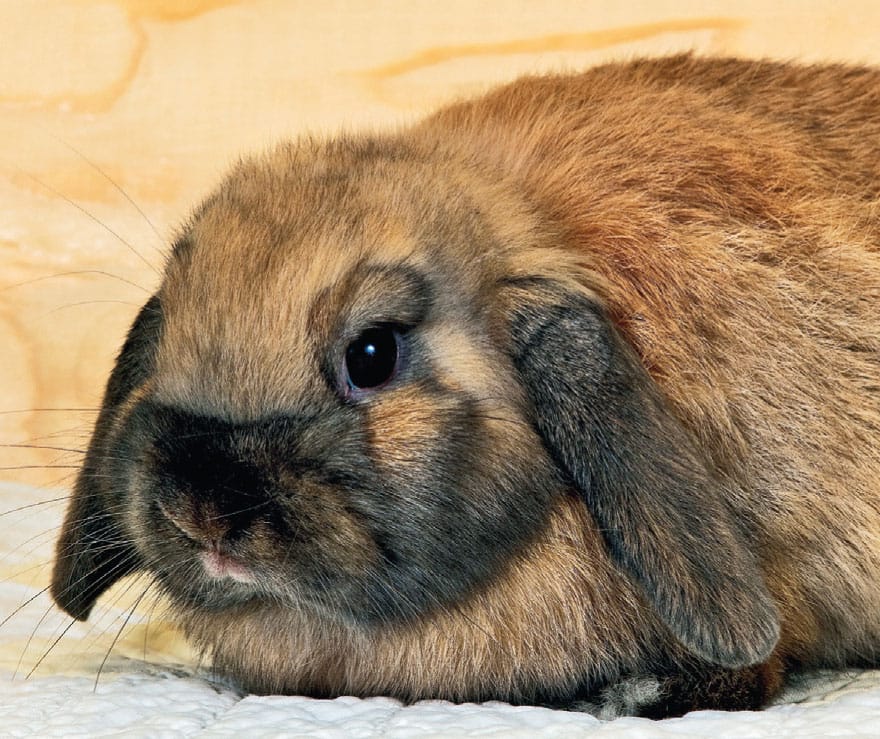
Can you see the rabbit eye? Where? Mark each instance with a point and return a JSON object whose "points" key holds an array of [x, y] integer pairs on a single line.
{"points": [[371, 359]]}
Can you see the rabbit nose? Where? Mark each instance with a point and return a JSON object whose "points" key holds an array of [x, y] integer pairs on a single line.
{"points": [[208, 475], [221, 494], [216, 479]]}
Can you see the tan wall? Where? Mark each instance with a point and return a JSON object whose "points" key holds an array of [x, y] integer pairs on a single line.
{"points": [[161, 96]]}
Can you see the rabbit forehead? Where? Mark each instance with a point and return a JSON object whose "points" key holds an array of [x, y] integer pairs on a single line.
{"points": [[274, 262], [246, 316]]}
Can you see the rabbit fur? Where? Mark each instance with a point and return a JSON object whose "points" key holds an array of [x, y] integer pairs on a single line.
{"points": [[628, 457]]}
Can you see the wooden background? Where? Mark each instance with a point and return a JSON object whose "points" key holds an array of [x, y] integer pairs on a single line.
{"points": [[104, 105]]}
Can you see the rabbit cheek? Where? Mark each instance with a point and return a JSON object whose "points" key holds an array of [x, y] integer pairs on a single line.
{"points": [[419, 443], [449, 520]]}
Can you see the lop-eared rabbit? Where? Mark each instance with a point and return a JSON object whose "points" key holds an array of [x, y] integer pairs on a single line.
{"points": [[568, 394]]}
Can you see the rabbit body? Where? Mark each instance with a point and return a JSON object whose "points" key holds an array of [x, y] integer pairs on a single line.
{"points": [[627, 457]]}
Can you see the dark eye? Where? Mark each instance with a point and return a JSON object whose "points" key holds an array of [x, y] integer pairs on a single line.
{"points": [[371, 359]]}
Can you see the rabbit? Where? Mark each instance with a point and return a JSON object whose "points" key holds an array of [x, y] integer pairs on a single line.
{"points": [[567, 394]]}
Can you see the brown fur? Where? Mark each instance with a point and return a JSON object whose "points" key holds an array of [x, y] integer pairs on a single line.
{"points": [[743, 262], [501, 637], [725, 215]]}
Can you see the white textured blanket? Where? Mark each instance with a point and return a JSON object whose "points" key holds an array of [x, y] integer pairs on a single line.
{"points": [[53, 683]]}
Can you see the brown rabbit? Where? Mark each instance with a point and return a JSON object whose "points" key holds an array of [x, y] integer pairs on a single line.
{"points": [[569, 394]]}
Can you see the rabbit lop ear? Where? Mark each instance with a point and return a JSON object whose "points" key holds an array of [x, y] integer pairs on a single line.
{"points": [[93, 552], [664, 516]]}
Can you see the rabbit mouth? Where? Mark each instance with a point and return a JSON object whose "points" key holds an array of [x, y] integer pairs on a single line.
{"points": [[222, 566], [212, 546]]}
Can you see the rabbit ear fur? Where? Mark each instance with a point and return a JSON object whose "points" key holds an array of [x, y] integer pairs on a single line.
{"points": [[93, 551], [91, 554], [665, 517]]}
